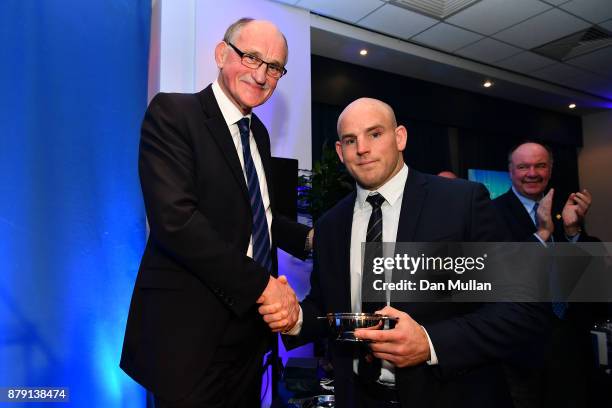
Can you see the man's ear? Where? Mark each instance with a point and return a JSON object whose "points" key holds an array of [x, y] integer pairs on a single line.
{"points": [[401, 136], [339, 151], [220, 54]]}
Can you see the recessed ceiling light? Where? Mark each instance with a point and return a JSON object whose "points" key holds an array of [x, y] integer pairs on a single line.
{"points": [[487, 84], [572, 105], [363, 52]]}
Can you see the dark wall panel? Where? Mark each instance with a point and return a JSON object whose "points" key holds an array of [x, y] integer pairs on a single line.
{"points": [[338, 83]]}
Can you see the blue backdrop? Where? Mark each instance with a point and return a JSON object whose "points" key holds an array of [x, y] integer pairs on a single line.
{"points": [[72, 225]]}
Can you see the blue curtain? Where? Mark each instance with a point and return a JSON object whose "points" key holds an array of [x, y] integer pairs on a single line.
{"points": [[72, 224]]}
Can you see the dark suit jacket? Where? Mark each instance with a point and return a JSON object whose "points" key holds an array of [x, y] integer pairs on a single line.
{"points": [[556, 375], [196, 289], [470, 340], [521, 226]]}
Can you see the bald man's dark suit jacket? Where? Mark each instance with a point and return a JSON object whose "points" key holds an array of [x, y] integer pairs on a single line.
{"points": [[470, 340], [556, 375], [195, 293]]}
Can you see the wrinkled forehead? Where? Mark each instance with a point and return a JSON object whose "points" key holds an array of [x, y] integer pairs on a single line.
{"points": [[363, 115], [530, 154], [263, 38]]}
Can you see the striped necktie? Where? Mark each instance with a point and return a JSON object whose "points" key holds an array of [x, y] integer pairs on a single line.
{"points": [[261, 237], [369, 366], [559, 308]]}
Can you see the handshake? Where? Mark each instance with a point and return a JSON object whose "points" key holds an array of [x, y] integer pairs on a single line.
{"points": [[279, 305]]}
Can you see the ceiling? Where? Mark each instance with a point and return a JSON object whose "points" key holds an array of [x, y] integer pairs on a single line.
{"points": [[514, 43]]}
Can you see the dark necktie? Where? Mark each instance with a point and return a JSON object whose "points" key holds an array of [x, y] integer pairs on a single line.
{"points": [[536, 221], [559, 308], [369, 366], [261, 237]]}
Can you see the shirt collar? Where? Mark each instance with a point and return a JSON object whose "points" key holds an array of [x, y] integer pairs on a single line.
{"points": [[528, 203], [392, 190], [231, 114]]}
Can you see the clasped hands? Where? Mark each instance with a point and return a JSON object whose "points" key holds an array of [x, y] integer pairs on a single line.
{"points": [[405, 345], [279, 305]]}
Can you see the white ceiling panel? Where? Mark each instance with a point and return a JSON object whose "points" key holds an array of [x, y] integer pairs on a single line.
{"points": [[599, 61], [488, 50], [556, 2], [447, 37], [291, 2], [347, 10], [595, 11], [490, 16], [542, 29], [397, 21], [525, 62], [607, 25]]}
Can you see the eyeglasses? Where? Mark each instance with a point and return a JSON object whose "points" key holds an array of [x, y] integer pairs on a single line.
{"points": [[273, 70]]}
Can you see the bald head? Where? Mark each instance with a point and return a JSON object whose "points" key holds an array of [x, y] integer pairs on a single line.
{"points": [[447, 174], [369, 105], [234, 30], [371, 142], [530, 167]]}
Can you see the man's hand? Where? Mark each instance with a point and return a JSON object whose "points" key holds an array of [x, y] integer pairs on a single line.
{"points": [[279, 305], [574, 210], [545, 222], [405, 345]]}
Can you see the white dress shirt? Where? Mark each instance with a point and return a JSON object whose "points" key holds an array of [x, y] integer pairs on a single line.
{"points": [[393, 192], [231, 115]]}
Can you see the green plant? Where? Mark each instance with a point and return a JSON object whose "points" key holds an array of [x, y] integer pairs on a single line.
{"points": [[321, 188]]}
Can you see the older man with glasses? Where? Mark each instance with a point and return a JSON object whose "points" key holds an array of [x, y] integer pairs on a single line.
{"points": [[194, 336]]}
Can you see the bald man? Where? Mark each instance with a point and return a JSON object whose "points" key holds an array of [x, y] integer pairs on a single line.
{"points": [[447, 174], [438, 354], [556, 376], [194, 337]]}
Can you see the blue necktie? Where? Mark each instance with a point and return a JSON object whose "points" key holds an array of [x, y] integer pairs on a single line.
{"points": [[559, 308], [261, 238]]}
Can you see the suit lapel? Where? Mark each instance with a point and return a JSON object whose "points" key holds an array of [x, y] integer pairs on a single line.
{"points": [[220, 133], [415, 192], [520, 214], [344, 226], [260, 134]]}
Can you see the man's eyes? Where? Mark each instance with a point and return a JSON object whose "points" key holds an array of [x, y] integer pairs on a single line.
{"points": [[274, 68], [348, 141], [537, 166], [251, 58]]}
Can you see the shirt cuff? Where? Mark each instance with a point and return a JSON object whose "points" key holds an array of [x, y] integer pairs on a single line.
{"points": [[433, 358], [295, 330], [309, 239], [535, 234]]}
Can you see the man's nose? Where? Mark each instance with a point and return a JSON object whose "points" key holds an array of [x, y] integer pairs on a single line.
{"points": [[363, 146], [259, 74]]}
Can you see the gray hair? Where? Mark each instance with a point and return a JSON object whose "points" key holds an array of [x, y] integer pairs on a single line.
{"points": [[233, 30]]}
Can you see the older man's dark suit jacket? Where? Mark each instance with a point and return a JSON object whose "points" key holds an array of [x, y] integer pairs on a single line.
{"points": [[470, 340], [556, 375], [195, 293]]}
